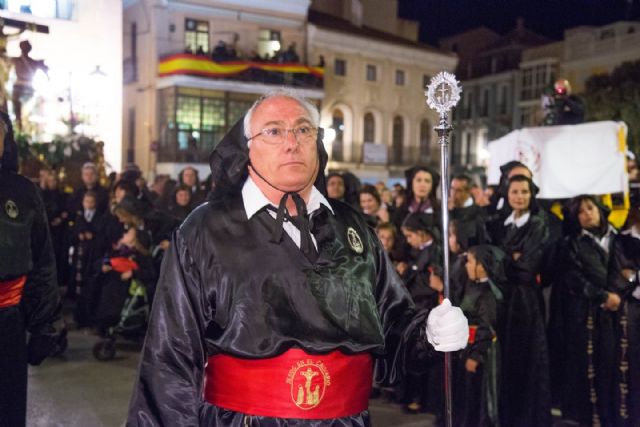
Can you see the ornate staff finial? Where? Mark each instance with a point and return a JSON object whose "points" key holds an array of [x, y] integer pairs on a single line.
{"points": [[443, 93]]}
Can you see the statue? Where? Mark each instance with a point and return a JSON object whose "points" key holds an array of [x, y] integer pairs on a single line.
{"points": [[25, 68]]}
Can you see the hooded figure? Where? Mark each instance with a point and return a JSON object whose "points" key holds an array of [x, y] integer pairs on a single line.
{"points": [[587, 308], [476, 370], [624, 278], [271, 310], [427, 203], [522, 235], [29, 299]]}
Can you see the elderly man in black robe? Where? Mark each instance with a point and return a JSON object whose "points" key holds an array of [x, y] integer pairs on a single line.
{"points": [[274, 303]]}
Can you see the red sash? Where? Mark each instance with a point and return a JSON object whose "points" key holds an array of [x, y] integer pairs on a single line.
{"points": [[11, 291], [292, 385]]}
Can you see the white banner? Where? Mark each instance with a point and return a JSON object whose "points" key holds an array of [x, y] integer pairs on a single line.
{"points": [[566, 161]]}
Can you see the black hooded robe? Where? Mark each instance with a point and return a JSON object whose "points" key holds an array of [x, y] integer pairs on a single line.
{"points": [[25, 249], [525, 386], [588, 328], [227, 288]]}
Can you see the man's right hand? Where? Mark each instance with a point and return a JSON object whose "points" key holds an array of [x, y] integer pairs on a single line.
{"points": [[447, 327]]}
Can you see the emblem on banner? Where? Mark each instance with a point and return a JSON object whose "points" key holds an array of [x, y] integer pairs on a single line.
{"points": [[309, 381], [11, 209], [354, 240]]}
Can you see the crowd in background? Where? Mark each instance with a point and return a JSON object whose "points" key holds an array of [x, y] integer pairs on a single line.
{"points": [[553, 304]]}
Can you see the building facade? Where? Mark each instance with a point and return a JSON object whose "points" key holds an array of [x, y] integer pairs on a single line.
{"points": [[83, 52], [192, 68], [374, 82], [490, 78]]}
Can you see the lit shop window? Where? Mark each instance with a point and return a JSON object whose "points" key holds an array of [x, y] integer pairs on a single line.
{"points": [[59, 9]]}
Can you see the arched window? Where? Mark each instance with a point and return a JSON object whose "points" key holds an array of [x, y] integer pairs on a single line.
{"points": [[397, 138], [369, 128], [425, 140], [337, 148]]}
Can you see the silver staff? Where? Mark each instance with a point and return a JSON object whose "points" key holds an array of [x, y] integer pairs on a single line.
{"points": [[443, 93]]}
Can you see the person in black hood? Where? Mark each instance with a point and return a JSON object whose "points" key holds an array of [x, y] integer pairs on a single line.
{"points": [[29, 298], [624, 278], [422, 182], [587, 307], [273, 302], [526, 383]]}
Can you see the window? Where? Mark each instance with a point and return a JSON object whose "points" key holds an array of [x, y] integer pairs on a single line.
{"points": [[340, 67], [372, 73], [426, 79], [369, 128], [337, 148], [196, 35], [485, 103], [400, 76], [60, 9], [131, 147], [268, 43], [193, 121], [397, 138], [425, 139], [504, 100]]}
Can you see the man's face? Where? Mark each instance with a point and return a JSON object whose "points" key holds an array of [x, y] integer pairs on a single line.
{"points": [[459, 192], [290, 165], [335, 187], [89, 177], [189, 177]]}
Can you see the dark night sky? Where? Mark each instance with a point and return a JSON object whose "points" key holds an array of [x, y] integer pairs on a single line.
{"points": [[441, 18]]}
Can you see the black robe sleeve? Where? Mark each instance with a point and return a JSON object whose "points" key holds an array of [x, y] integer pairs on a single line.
{"points": [[403, 326], [41, 300], [586, 269], [171, 373], [625, 254]]}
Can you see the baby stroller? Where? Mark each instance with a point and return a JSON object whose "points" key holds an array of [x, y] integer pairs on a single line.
{"points": [[132, 324]]}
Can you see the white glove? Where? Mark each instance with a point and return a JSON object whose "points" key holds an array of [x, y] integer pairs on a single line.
{"points": [[447, 328]]}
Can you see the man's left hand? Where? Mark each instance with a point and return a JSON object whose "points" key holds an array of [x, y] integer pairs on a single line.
{"points": [[447, 328]]}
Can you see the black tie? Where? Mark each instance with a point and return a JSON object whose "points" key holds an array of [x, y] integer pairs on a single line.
{"points": [[300, 221]]}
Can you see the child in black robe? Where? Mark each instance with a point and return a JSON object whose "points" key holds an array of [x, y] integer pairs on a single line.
{"points": [[424, 387], [624, 279], [476, 368]]}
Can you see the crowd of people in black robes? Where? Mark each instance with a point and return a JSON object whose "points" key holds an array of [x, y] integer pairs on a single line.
{"points": [[577, 349], [106, 237], [551, 290]]}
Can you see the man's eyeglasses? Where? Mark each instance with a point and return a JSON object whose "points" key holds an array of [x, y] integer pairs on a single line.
{"points": [[276, 135]]}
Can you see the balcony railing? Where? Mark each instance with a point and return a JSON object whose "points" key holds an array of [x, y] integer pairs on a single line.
{"points": [[289, 74]]}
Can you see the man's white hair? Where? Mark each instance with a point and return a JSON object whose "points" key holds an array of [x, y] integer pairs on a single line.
{"points": [[280, 93]]}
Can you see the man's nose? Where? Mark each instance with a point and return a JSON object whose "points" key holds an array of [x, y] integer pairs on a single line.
{"points": [[290, 139]]}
